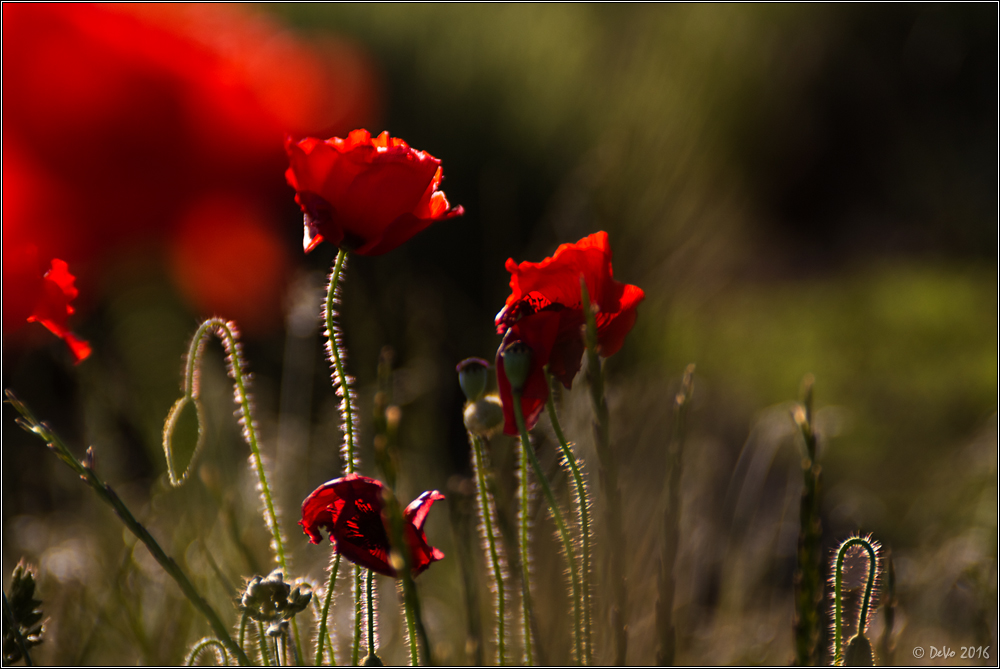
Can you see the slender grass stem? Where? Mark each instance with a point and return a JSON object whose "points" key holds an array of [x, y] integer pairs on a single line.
{"points": [[808, 575], [665, 624], [487, 514], [323, 633], [608, 477], [557, 516], [582, 499], [109, 496]]}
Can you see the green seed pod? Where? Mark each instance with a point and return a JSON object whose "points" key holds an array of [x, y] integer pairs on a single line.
{"points": [[473, 373], [517, 364]]}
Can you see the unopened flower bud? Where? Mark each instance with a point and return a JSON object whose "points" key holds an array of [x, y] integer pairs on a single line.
{"points": [[859, 653], [484, 416], [473, 374], [517, 364], [372, 660]]}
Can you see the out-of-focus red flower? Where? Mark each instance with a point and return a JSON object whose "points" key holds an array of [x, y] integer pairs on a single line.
{"points": [[350, 509], [130, 117], [545, 312], [39, 296], [365, 194]]}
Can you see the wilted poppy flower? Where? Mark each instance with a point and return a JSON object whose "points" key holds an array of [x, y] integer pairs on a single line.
{"points": [[545, 312], [350, 509], [365, 194], [43, 296]]}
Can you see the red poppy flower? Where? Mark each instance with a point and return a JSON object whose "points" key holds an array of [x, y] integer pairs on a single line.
{"points": [[350, 510], [42, 297], [365, 194], [545, 311]]}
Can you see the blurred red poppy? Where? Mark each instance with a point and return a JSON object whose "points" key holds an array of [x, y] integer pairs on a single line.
{"points": [[350, 509], [545, 312], [365, 194], [43, 296], [128, 123]]}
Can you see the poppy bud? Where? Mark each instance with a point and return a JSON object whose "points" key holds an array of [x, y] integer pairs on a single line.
{"points": [[859, 653], [372, 660], [472, 376], [484, 416], [517, 364]]}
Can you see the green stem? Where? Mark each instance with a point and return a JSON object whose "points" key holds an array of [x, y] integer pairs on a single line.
{"points": [[228, 335], [220, 652], [243, 629], [608, 477], [411, 629], [582, 500], [665, 623], [486, 513], [108, 495], [808, 575], [371, 612], [334, 348], [567, 541], [865, 543], [523, 539], [323, 635], [265, 655], [359, 604]]}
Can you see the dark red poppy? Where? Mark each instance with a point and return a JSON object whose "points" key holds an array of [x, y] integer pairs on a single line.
{"points": [[545, 311], [365, 194], [40, 296], [350, 509]]}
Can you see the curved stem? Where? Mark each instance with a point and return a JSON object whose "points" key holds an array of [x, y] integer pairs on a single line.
{"points": [[567, 541], [220, 652], [109, 496], [869, 547], [486, 513], [582, 500]]}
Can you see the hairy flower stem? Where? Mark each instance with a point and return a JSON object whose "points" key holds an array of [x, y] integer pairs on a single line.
{"points": [[220, 652], [323, 635], [567, 541], [370, 598], [487, 513], [808, 578], [582, 499], [265, 656], [671, 526], [342, 384], [229, 336], [108, 495], [523, 543], [608, 477], [872, 551]]}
